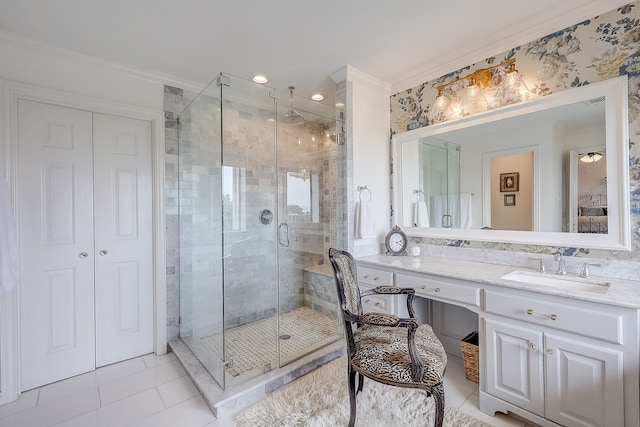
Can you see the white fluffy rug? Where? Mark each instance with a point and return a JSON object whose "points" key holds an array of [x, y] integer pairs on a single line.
{"points": [[321, 399]]}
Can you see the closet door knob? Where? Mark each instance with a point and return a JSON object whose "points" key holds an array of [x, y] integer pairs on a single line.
{"points": [[83, 255], [104, 252]]}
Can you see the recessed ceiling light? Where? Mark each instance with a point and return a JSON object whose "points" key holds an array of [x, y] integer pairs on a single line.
{"points": [[317, 97], [260, 79]]}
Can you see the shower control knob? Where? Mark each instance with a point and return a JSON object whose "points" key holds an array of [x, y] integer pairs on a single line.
{"points": [[266, 216]]}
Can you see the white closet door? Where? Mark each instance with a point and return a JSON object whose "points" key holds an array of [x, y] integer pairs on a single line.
{"points": [[55, 199], [123, 236]]}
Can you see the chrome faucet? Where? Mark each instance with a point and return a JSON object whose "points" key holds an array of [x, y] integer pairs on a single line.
{"points": [[562, 268], [540, 268], [585, 269]]}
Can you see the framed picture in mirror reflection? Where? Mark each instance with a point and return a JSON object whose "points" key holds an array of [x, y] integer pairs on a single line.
{"points": [[509, 199], [509, 182]]}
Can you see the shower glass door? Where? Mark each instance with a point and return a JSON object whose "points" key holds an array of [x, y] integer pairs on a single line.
{"points": [[307, 150]]}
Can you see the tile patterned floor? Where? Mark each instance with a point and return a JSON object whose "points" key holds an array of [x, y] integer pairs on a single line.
{"points": [[154, 391], [256, 344]]}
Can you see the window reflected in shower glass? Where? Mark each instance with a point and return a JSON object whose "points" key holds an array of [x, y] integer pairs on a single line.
{"points": [[233, 200], [303, 201]]}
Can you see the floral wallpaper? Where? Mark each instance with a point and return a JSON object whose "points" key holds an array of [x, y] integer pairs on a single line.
{"points": [[597, 49]]}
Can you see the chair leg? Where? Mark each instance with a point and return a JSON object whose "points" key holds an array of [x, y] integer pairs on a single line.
{"points": [[352, 396], [360, 382], [437, 392]]}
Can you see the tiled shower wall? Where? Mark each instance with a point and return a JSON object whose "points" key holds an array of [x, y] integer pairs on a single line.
{"points": [[250, 293], [594, 50]]}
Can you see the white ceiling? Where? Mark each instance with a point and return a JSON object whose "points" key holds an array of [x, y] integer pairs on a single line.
{"points": [[300, 43]]}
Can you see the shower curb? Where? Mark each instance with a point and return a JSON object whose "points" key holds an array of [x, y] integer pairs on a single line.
{"points": [[227, 403]]}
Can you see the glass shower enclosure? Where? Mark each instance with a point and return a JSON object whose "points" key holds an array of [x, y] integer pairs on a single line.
{"points": [[441, 181], [257, 206]]}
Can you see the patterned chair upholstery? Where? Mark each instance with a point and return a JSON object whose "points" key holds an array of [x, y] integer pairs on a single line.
{"points": [[384, 347]]}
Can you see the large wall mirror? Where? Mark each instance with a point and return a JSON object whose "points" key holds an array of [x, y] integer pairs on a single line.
{"points": [[551, 171]]}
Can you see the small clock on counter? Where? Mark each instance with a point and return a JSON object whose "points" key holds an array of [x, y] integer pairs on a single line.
{"points": [[396, 242]]}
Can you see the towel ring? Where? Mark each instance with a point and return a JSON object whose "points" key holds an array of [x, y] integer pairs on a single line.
{"points": [[420, 194], [361, 189]]}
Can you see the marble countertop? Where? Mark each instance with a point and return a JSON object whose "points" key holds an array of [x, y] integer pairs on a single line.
{"points": [[623, 293]]}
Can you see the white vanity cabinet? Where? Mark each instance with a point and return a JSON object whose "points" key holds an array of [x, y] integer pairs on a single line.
{"points": [[552, 357], [556, 359]]}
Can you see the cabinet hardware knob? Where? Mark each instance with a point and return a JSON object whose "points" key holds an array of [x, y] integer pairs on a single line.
{"points": [[104, 252], [378, 304], [549, 351], [531, 346], [83, 255], [375, 279], [366, 276], [430, 289], [530, 312]]}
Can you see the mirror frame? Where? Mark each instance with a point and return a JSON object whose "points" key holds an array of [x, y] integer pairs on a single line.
{"points": [[616, 94]]}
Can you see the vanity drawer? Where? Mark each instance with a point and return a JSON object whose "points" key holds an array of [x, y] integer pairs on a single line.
{"points": [[374, 276], [587, 321], [377, 304], [440, 288]]}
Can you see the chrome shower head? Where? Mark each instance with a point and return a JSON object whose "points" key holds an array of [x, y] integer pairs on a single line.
{"points": [[292, 116]]}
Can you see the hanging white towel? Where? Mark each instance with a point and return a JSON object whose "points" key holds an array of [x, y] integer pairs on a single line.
{"points": [[421, 214], [465, 210], [365, 227], [8, 241]]}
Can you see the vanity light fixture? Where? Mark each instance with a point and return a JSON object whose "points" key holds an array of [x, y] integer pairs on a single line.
{"points": [[260, 79], [317, 97], [590, 157], [483, 89], [340, 105]]}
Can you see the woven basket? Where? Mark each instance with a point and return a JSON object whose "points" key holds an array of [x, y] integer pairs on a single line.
{"points": [[469, 347]]}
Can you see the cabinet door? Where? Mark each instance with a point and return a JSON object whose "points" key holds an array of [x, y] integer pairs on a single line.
{"points": [[515, 365], [584, 383]]}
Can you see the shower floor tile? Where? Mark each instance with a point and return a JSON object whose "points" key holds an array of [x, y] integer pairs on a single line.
{"points": [[255, 345]]}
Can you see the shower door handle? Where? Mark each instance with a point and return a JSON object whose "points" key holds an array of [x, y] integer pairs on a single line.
{"points": [[283, 242], [446, 221]]}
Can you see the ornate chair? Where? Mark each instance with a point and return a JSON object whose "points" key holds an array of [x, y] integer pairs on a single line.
{"points": [[384, 347]]}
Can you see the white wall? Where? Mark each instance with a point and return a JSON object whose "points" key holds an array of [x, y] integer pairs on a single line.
{"points": [[371, 151], [32, 63]]}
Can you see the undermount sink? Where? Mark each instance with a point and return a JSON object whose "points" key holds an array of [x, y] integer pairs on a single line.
{"points": [[558, 281]]}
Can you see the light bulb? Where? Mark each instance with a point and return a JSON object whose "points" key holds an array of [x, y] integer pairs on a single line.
{"points": [[441, 101], [473, 101], [515, 89]]}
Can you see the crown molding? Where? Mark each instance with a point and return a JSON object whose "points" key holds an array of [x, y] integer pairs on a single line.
{"points": [[454, 62], [21, 42], [357, 76]]}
